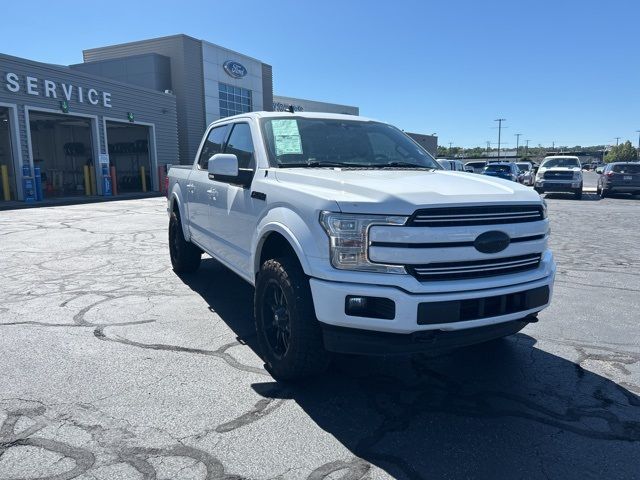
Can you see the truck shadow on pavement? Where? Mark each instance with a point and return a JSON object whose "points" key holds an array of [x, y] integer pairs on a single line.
{"points": [[501, 410]]}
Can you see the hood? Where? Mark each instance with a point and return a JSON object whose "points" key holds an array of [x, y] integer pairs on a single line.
{"points": [[401, 192]]}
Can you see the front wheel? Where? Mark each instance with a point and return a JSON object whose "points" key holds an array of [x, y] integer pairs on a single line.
{"points": [[185, 256], [577, 193], [289, 334]]}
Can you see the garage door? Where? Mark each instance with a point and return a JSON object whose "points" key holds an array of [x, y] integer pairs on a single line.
{"points": [[129, 155], [7, 173]]}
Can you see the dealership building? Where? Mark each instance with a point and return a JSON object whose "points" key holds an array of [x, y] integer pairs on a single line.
{"points": [[111, 124]]}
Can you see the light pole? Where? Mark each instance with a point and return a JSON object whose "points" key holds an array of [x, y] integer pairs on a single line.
{"points": [[638, 151], [450, 143], [488, 148], [617, 140], [517, 143], [526, 151], [499, 120]]}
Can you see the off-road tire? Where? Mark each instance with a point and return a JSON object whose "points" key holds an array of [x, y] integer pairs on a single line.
{"points": [[185, 256], [305, 355]]}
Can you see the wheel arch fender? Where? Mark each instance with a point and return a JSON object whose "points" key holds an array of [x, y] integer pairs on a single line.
{"points": [[176, 202], [292, 228]]}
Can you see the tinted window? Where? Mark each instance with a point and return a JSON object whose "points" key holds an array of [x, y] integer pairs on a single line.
{"points": [[300, 142], [499, 168], [241, 145], [561, 162], [212, 145], [626, 168]]}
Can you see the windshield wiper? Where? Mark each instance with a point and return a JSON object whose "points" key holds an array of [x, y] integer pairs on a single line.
{"points": [[400, 164], [321, 164]]}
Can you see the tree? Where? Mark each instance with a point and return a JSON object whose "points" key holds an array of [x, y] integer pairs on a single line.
{"points": [[624, 152]]}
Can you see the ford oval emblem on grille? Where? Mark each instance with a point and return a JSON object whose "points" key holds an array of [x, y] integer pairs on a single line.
{"points": [[492, 242]]}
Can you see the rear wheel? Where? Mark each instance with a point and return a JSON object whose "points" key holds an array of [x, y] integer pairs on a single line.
{"points": [[288, 332], [185, 256]]}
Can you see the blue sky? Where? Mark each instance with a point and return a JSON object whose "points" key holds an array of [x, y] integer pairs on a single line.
{"points": [[563, 71]]}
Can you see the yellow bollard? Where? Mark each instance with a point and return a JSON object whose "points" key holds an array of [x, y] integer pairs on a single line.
{"points": [[5, 182], [92, 177], [144, 179], [87, 181]]}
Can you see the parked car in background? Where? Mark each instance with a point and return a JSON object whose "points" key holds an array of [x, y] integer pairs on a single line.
{"points": [[506, 170], [560, 173], [526, 173], [619, 177], [474, 167], [454, 165]]}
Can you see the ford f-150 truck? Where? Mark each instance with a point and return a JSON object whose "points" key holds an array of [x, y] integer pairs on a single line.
{"points": [[560, 173], [356, 240]]}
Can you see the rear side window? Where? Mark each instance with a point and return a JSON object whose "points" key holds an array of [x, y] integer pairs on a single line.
{"points": [[626, 168], [499, 168], [212, 145], [241, 144]]}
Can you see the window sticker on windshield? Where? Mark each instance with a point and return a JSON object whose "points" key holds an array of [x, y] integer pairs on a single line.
{"points": [[286, 137]]}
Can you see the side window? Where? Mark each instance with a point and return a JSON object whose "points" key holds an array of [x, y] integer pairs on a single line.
{"points": [[241, 144], [212, 145]]}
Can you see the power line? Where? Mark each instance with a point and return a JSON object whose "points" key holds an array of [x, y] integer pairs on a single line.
{"points": [[499, 120]]}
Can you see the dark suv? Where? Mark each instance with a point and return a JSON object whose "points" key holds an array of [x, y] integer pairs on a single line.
{"points": [[620, 177]]}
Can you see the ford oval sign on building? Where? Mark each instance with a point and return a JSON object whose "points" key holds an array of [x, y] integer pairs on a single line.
{"points": [[234, 69]]}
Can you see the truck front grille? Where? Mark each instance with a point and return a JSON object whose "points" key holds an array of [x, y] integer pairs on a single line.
{"points": [[478, 215], [558, 175], [476, 268]]}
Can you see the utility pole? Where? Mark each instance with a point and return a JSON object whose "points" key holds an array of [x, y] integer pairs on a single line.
{"points": [[517, 143], [617, 140], [450, 143], [499, 120], [553, 146], [526, 151]]}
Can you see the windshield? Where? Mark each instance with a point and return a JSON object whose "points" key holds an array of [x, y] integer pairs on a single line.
{"points": [[320, 142], [561, 162], [498, 168], [524, 167], [626, 168]]}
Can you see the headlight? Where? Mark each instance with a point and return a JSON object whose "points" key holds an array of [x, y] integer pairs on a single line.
{"points": [[544, 208], [349, 240]]}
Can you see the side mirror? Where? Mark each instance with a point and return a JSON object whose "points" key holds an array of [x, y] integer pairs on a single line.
{"points": [[223, 165]]}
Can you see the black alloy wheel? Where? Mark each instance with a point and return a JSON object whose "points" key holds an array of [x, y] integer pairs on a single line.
{"points": [[276, 315]]}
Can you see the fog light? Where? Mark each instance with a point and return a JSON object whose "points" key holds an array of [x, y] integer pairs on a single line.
{"points": [[372, 307], [356, 304]]}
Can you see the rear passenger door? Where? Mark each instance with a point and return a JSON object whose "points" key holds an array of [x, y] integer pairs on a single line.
{"points": [[199, 188]]}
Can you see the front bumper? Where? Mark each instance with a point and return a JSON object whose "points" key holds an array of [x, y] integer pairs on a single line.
{"points": [[558, 185], [329, 302], [367, 342]]}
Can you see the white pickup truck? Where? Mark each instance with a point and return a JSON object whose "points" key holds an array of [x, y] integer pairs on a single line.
{"points": [[356, 240]]}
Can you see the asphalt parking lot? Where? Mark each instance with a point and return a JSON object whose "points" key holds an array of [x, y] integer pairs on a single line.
{"points": [[114, 367]]}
